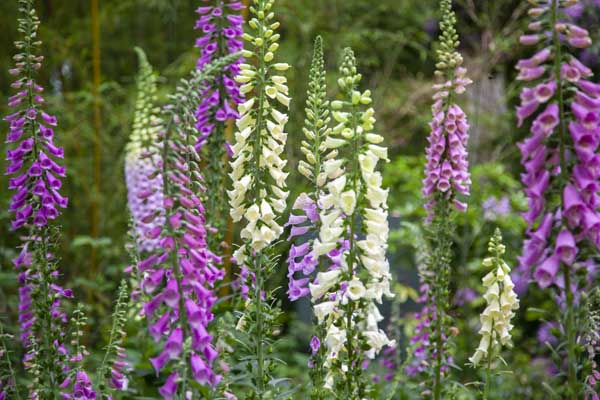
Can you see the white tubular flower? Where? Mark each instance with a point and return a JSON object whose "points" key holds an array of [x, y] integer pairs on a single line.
{"points": [[260, 139], [334, 340], [501, 302], [323, 310]]}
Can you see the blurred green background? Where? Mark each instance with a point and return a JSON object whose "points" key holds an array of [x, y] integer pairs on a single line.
{"points": [[394, 41]]}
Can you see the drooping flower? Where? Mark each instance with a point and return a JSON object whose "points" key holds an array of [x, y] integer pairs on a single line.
{"points": [[142, 169], [501, 303]]}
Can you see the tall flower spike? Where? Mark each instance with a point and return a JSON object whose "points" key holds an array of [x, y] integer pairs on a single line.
{"points": [[179, 277], [562, 164], [305, 218], [259, 193], [77, 385], [501, 303], [354, 230], [447, 179], [33, 160], [144, 182], [221, 27], [447, 167]]}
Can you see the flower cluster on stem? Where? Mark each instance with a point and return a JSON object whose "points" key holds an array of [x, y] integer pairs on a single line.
{"points": [[259, 193], [447, 179], [142, 174], [353, 226], [180, 275], [304, 219], [34, 163], [501, 303], [447, 168], [33, 159], [77, 384], [561, 161], [221, 27]]}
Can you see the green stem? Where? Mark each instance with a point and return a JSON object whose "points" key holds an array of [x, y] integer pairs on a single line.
{"points": [[259, 326], [11, 371], [569, 323], [257, 188], [353, 376], [570, 331], [488, 370]]}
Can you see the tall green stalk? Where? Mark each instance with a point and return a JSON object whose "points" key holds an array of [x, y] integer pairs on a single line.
{"points": [[562, 132]]}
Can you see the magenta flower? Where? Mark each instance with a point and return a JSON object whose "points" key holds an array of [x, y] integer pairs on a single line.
{"points": [[32, 155], [168, 390], [558, 160], [82, 388], [447, 166]]}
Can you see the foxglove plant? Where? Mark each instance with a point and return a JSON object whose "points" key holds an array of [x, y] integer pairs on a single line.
{"points": [[353, 224], [304, 219], [561, 163], [447, 178], [112, 373], [142, 177], [77, 384], [501, 302], [259, 193], [33, 158], [302, 260], [180, 275], [221, 27]]}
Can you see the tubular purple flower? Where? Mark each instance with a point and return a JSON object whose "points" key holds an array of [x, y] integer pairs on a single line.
{"points": [[181, 272], [447, 166], [29, 138], [561, 169]]}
